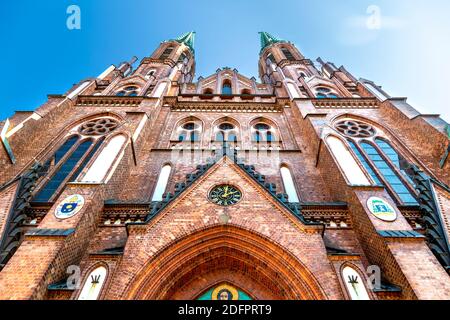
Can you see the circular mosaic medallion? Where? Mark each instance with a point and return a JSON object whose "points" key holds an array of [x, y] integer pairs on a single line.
{"points": [[381, 209], [98, 127], [69, 207], [355, 129], [225, 195], [225, 292]]}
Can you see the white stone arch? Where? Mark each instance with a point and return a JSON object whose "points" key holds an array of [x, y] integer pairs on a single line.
{"points": [[103, 166], [289, 183], [346, 161], [162, 182]]}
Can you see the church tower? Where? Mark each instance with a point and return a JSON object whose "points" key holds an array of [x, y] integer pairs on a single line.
{"points": [[143, 183]]}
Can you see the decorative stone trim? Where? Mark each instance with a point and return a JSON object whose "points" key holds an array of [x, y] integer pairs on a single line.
{"points": [[356, 103], [227, 107], [108, 101]]}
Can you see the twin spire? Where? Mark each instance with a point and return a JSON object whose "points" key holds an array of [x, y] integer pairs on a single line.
{"points": [[187, 39], [267, 40]]}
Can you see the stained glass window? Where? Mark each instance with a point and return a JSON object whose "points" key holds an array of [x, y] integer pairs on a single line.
{"points": [[389, 174], [364, 162], [393, 156], [45, 194]]}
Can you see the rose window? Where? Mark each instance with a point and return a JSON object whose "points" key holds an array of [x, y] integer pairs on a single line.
{"points": [[98, 127], [355, 129]]}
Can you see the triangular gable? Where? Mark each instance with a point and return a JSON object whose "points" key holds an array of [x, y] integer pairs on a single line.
{"points": [[244, 177]]}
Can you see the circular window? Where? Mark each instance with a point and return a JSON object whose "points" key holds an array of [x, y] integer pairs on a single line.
{"points": [[355, 129], [226, 126], [98, 127]]}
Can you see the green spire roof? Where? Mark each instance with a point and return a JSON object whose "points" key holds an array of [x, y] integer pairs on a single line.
{"points": [[267, 40], [187, 39]]}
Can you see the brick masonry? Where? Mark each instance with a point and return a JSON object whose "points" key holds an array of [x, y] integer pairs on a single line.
{"points": [[192, 245]]}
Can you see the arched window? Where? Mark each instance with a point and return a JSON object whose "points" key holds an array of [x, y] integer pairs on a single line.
{"points": [[246, 94], [130, 91], [226, 132], [354, 284], [161, 185], [208, 91], [93, 284], [226, 88], [63, 171], [69, 160], [97, 172], [390, 176], [287, 54], [325, 93], [262, 133], [289, 185], [167, 52], [348, 164], [190, 131]]}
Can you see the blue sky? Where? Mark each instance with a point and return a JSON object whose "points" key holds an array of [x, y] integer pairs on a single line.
{"points": [[408, 55]]}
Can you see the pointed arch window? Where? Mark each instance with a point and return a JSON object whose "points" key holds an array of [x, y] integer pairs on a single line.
{"points": [[70, 159], [190, 131], [65, 168], [263, 133], [395, 157], [354, 284], [101, 166], [289, 185], [161, 185], [93, 284], [347, 162], [226, 132], [390, 176], [364, 162]]}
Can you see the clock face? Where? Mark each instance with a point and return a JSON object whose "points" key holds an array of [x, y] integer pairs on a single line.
{"points": [[225, 195]]}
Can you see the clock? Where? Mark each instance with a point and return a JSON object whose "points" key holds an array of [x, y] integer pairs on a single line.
{"points": [[225, 195]]}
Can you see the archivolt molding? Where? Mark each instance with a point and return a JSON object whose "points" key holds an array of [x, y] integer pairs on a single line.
{"points": [[158, 278]]}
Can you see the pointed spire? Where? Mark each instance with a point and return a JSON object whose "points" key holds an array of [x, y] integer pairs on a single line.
{"points": [[187, 39], [267, 40]]}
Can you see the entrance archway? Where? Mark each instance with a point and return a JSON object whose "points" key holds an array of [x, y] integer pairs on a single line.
{"points": [[187, 267]]}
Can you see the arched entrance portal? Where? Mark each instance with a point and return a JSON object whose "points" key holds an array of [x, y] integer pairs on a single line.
{"points": [[224, 254]]}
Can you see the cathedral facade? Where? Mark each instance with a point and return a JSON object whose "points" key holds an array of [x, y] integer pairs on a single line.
{"points": [[142, 183]]}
